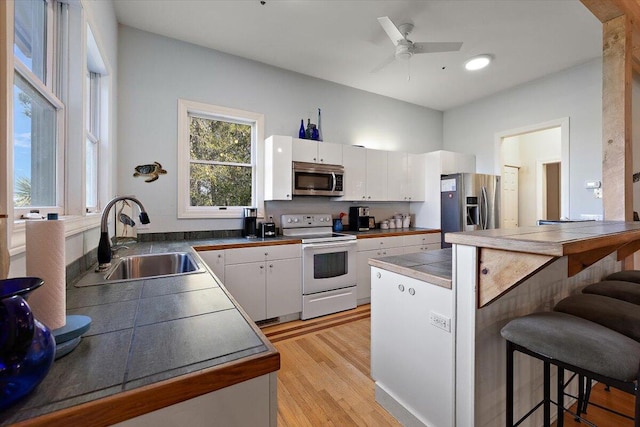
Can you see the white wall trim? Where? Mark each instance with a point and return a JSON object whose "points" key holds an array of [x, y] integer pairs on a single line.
{"points": [[563, 124]]}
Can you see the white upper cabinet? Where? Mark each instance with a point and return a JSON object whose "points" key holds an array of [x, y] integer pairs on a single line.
{"points": [[397, 176], [377, 164], [305, 150], [277, 171], [354, 160], [416, 177]]}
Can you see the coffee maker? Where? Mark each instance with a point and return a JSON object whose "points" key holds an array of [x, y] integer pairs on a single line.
{"points": [[358, 218], [250, 216]]}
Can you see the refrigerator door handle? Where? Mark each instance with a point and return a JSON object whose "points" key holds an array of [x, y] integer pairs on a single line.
{"points": [[484, 210]]}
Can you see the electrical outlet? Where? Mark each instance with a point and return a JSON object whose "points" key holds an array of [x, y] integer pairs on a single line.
{"points": [[440, 321]]}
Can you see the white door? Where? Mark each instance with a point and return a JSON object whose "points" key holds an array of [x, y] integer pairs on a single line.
{"points": [[509, 197]]}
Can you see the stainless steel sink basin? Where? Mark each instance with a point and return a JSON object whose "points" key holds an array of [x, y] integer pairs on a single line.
{"points": [[153, 265]]}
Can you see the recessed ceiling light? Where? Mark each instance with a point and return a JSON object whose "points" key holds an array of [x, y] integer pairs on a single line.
{"points": [[477, 62]]}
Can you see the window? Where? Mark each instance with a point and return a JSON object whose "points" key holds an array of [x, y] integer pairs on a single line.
{"points": [[217, 165], [92, 141], [37, 116]]}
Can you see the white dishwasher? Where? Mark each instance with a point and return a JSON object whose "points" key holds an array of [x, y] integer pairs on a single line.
{"points": [[412, 349]]}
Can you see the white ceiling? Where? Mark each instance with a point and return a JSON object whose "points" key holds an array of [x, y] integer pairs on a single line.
{"points": [[341, 40]]}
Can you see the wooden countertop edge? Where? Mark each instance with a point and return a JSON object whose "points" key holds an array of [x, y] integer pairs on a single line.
{"points": [[247, 244], [132, 403], [409, 272], [395, 233], [570, 247]]}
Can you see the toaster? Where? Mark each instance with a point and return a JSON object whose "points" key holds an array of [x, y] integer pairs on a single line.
{"points": [[267, 229]]}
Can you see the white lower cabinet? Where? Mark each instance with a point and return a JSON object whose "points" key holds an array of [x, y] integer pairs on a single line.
{"points": [[265, 280], [421, 242], [249, 403], [215, 261], [412, 359], [364, 276]]}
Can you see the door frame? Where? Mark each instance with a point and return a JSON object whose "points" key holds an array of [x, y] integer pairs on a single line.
{"points": [[563, 124], [541, 187]]}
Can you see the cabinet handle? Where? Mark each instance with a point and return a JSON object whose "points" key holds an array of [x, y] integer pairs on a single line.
{"points": [[412, 291], [378, 275], [314, 159], [368, 197], [270, 265], [401, 288], [219, 256], [288, 196], [262, 266], [266, 253], [321, 160], [384, 252]]}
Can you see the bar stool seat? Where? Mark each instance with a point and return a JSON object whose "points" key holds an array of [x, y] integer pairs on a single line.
{"points": [[579, 345], [616, 314], [625, 276], [618, 289]]}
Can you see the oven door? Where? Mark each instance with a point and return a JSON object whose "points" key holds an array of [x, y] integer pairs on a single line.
{"points": [[328, 266]]}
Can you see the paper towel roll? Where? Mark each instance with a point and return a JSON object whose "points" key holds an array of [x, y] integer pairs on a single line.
{"points": [[45, 257]]}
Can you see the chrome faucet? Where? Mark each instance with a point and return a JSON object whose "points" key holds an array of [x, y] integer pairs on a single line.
{"points": [[104, 246]]}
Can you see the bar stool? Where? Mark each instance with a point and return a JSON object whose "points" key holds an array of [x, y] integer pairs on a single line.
{"points": [[618, 289], [625, 276], [578, 345], [615, 314]]}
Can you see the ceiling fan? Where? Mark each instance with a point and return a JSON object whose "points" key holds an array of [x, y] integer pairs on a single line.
{"points": [[405, 48]]}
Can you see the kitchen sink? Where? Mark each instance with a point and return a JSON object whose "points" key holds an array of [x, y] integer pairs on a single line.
{"points": [[153, 265]]}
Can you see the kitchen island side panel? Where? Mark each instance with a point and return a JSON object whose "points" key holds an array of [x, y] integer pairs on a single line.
{"points": [[480, 349]]}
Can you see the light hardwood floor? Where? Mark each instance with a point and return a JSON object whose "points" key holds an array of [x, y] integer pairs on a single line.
{"points": [[324, 379]]}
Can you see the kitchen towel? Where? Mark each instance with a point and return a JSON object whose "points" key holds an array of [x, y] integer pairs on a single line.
{"points": [[46, 259]]}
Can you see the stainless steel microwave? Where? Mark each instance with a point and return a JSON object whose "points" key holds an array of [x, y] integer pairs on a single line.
{"points": [[317, 179]]}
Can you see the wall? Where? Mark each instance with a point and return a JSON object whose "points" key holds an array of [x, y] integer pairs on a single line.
{"points": [[575, 93], [155, 71]]}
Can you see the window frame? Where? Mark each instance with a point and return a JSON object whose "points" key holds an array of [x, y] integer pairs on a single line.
{"points": [[47, 89], [187, 108]]}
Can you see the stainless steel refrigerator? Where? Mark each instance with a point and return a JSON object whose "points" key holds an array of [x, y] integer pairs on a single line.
{"points": [[469, 201]]}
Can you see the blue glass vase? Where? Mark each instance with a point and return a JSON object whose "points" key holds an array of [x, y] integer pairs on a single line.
{"points": [[27, 347]]}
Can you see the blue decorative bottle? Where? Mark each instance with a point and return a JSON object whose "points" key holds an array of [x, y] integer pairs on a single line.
{"points": [[27, 347], [301, 133]]}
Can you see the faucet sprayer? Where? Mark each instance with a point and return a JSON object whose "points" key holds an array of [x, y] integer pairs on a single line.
{"points": [[104, 246]]}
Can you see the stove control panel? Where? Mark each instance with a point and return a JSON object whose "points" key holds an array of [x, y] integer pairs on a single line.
{"points": [[305, 220]]}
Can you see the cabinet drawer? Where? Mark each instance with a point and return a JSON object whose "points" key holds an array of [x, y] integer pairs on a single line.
{"points": [[261, 253], [380, 242], [421, 239]]}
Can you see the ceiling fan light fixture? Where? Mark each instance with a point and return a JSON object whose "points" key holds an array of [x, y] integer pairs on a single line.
{"points": [[478, 62]]}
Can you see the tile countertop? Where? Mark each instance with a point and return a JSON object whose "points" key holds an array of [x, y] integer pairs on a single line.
{"points": [[150, 336], [180, 336], [430, 266]]}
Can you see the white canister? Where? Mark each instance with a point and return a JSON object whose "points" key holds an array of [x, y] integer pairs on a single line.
{"points": [[406, 222], [398, 222]]}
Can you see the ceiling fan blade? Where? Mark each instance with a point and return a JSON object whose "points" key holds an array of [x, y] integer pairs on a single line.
{"points": [[383, 64], [433, 47], [390, 28]]}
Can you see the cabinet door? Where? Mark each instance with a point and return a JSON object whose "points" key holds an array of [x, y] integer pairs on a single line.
{"points": [[416, 177], [278, 173], [364, 270], [397, 176], [284, 287], [404, 342], [376, 175], [246, 282], [215, 261], [329, 153], [305, 150], [355, 169]]}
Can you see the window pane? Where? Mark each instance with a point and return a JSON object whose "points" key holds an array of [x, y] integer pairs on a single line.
{"points": [[219, 141], [92, 174], [219, 185], [34, 147], [30, 35]]}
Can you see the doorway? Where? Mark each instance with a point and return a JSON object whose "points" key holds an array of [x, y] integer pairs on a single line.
{"points": [[534, 164]]}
